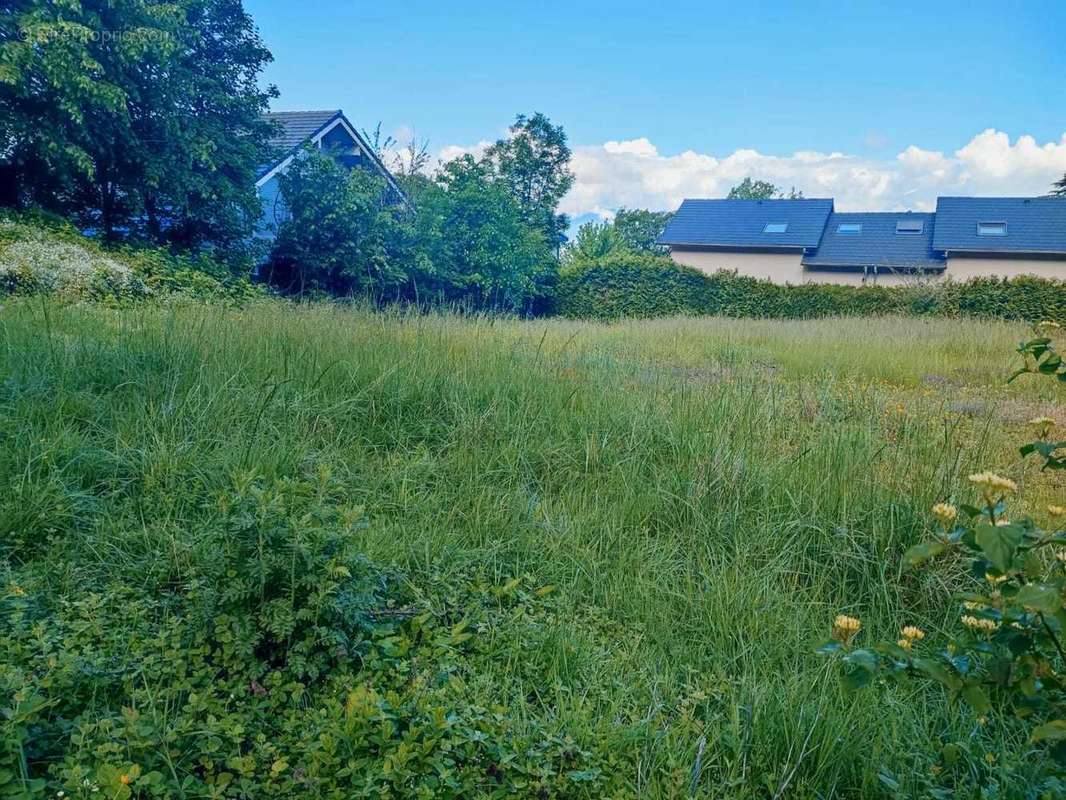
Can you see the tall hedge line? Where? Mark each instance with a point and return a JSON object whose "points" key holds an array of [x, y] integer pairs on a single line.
{"points": [[632, 285]]}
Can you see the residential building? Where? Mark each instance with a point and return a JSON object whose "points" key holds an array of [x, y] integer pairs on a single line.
{"points": [[327, 130], [808, 241]]}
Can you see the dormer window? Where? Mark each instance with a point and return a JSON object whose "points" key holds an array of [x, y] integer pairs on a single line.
{"points": [[991, 228], [910, 227], [775, 227], [849, 228]]}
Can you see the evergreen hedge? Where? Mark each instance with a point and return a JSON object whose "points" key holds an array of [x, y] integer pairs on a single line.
{"points": [[622, 284]]}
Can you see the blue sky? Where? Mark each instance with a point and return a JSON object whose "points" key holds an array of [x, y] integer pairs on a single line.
{"points": [[865, 81]]}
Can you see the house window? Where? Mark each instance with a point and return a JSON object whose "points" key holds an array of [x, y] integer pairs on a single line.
{"points": [[775, 227], [849, 228], [991, 228], [910, 226]]}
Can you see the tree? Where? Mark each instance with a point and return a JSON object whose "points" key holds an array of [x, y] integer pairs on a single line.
{"points": [[534, 164], [638, 229], [410, 159], [1058, 189], [342, 236], [594, 240], [136, 117], [749, 189], [474, 243], [631, 231], [413, 158]]}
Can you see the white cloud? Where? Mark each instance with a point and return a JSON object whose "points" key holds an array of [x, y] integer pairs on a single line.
{"points": [[634, 174], [456, 150]]}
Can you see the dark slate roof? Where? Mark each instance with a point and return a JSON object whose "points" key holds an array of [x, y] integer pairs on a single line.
{"points": [[877, 244], [296, 127], [740, 223], [1034, 224]]}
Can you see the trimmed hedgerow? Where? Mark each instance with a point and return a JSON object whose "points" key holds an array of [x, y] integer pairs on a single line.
{"points": [[624, 285], [630, 285]]}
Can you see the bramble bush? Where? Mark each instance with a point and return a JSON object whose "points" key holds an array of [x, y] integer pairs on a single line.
{"points": [[263, 656], [1006, 659], [620, 285], [43, 254]]}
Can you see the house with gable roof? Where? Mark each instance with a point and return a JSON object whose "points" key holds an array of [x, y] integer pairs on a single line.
{"points": [[808, 241], [327, 130]]}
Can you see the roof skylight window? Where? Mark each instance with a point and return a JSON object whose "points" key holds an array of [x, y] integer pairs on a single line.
{"points": [[910, 226], [991, 228], [775, 227], [849, 228]]}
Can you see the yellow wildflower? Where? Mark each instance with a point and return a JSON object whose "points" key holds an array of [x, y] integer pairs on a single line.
{"points": [[991, 483], [995, 578], [970, 605], [1047, 325], [124, 778], [18, 591], [905, 644], [946, 513], [912, 632], [1043, 425], [1057, 511], [979, 624], [845, 628]]}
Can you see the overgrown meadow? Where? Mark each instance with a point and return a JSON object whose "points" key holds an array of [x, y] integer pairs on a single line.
{"points": [[321, 551]]}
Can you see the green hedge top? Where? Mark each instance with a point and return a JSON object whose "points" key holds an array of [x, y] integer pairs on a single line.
{"points": [[621, 285]]}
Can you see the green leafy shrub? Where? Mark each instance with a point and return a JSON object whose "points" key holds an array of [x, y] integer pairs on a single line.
{"points": [[1007, 659], [65, 270], [344, 233], [620, 285], [270, 659], [43, 254]]}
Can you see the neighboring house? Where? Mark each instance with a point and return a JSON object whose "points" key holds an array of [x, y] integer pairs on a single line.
{"points": [[1002, 235], [807, 241], [327, 130]]}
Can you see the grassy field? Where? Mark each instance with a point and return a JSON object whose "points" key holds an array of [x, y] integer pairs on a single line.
{"points": [[648, 527]]}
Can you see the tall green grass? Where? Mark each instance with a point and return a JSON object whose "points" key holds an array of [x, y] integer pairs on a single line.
{"points": [[703, 494]]}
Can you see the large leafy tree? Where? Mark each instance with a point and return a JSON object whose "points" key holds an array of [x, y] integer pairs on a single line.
{"points": [[533, 162], [136, 117], [474, 242], [342, 234], [631, 231], [749, 189], [593, 241], [638, 228]]}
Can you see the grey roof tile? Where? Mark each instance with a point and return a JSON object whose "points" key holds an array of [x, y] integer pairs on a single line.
{"points": [[877, 244], [1034, 224], [741, 223], [296, 127]]}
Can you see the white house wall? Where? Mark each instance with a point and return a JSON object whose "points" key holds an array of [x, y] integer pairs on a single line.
{"points": [[776, 267], [961, 268], [782, 268]]}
